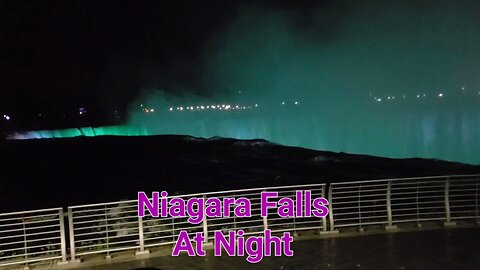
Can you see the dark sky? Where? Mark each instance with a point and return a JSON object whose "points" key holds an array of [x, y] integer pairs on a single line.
{"points": [[56, 55], [61, 55], [64, 53]]}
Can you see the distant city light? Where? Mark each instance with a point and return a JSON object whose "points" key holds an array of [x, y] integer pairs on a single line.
{"points": [[296, 102], [440, 95], [171, 109], [283, 102]]}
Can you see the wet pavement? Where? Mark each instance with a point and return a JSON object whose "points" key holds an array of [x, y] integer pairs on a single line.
{"points": [[436, 250]]}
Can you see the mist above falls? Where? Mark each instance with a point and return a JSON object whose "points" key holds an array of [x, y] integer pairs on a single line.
{"points": [[395, 80]]}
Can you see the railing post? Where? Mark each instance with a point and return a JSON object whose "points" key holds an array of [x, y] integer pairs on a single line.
{"points": [[63, 244], [449, 221], [265, 221], [324, 219], [25, 245], [72, 236], [141, 239], [330, 209], [419, 225], [204, 222], [108, 256], [390, 225], [359, 199], [476, 202]]}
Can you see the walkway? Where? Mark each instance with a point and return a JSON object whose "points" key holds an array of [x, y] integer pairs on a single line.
{"points": [[437, 249]]}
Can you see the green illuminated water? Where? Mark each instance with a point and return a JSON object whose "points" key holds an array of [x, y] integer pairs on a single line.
{"points": [[126, 130]]}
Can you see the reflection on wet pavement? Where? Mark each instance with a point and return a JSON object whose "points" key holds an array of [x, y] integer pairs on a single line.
{"points": [[436, 250]]}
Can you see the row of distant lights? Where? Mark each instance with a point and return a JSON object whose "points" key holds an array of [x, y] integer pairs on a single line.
{"points": [[147, 110], [219, 107], [213, 107], [209, 107], [7, 117], [391, 98]]}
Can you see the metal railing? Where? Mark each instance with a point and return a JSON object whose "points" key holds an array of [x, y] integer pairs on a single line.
{"points": [[105, 228], [32, 236], [393, 201], [109, 227]]}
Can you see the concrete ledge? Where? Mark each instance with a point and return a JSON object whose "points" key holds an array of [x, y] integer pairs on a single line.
{"points": [[208, 245], [391, 227], [62, 263], [449, 224], [75, 261], [142, 253]]}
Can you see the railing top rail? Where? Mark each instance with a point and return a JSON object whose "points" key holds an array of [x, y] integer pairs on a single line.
{"points": [[280, 187], [202, 194], [31, 211], [404, 179], [246, 190]]}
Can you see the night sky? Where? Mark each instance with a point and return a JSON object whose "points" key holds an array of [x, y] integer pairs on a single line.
{"points": [[62, 54], [56, 55]]}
